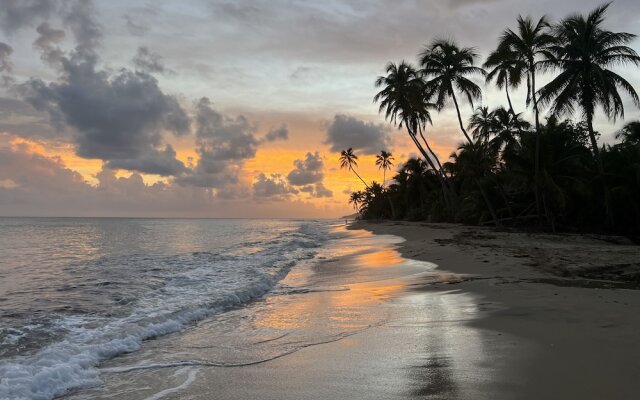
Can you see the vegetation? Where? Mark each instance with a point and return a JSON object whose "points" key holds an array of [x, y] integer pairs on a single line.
{"points": [[551, 174]]}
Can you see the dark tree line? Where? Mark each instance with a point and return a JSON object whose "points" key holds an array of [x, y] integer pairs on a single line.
{"points": [[549, 174]]}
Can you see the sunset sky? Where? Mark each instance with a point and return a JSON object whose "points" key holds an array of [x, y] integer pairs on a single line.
{"points": [[224, 108]]}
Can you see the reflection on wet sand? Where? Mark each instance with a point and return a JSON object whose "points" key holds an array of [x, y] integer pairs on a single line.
{"points": [[347, 327]]}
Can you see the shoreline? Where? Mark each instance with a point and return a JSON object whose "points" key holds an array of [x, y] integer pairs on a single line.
{"points": [[351, 325], [547, 291]]}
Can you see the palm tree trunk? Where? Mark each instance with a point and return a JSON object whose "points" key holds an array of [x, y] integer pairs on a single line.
{"points": [[608, 201], [358, 175], [443, 182], [433, 154], [384, 177], [536, 177], [455, 102], [506, 89]]}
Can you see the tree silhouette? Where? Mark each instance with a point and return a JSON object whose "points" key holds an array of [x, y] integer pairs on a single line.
{"points": [[348, 160], [384, 160]]}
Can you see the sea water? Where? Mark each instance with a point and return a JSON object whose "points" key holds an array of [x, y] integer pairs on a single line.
{"points": [[75, 292]]}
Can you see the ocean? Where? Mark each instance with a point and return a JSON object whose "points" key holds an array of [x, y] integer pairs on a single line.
{"points": [[76, 292]]}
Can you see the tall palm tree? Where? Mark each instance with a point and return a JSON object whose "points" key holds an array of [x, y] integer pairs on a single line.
{"points": [[348, 160], [584, 52], [384, 160], [447, 66], [405, 101], [507, 69], [531, 44], [630, 133]]}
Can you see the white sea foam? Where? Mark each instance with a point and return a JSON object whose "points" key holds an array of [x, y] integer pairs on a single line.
{"points": [[195, 287], [191, 376]]}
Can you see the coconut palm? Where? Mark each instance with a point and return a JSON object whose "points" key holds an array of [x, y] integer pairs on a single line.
{"points": [[507, 69], [530, 44], [404, 102], [356, 199], [630, 133], [348, 160], [482, 124], [506, 127], [584, 52], [447, 68], [384, 160]]}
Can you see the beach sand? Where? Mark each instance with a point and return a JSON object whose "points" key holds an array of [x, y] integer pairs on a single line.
{"points": [[494, 319], [569, 297]]}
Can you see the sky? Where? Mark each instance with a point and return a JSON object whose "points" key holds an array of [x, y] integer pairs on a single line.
{"points": [[206, 108]]}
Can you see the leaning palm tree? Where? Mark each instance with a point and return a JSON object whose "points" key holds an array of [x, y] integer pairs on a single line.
{"points": [[348, 160], [630, 133], [584, 52], [447, 66], [507, 69], [531, 44], [405, 101], [384, 160]]}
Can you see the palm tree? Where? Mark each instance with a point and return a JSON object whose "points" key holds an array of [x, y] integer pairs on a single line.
{"points": [[356, 199], [506, 126], [348, 160], [531, 45], [404, 100], [448, 67], [482, 124], [384, 161], [630, 133], [473, 165], [507, 69], [583, 52]]}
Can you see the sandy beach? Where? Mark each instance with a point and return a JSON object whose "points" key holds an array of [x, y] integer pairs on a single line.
{"points": [[425, 311], [570, 298]]}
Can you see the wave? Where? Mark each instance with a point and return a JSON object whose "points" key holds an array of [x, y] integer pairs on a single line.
{"points": [[195, 287]]}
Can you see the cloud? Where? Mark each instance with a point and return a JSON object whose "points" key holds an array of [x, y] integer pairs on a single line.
{"points": [[318, 190], [281, 133], [346, 131], [5, 58], [118, 119], [307, 171], [308, 175], [14, 14], [33, 184], [273, 187], [160, 162], [47, 42], [148, 61], [223, 144], [6, 66], [80, 17]]}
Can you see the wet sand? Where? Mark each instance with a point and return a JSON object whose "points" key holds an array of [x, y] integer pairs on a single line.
{"points": [[571, 298], [368, 323]]}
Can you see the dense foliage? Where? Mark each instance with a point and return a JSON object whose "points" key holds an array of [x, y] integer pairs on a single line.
{"points": [[549, 174]]}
